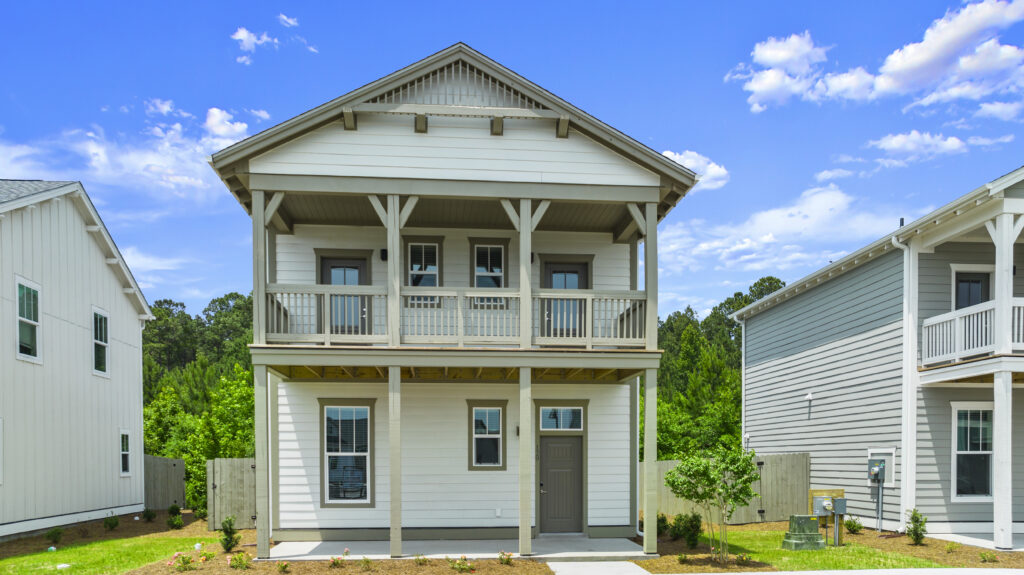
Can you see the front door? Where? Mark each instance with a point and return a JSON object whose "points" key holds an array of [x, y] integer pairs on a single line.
{"points": [[561, 484], [564, 317], [348, 313]]}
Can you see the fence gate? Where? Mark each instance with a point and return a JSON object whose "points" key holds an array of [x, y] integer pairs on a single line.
{"points": [[165, 482], [231, 491]]}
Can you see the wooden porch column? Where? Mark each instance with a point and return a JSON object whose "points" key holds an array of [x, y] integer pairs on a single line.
{"points": [[525, 277], [526, 460], [1002, 236], [651, 274], [394, 273], [395, 453], [262, 461], [1002, 470], [651, 478], [259, 268]]}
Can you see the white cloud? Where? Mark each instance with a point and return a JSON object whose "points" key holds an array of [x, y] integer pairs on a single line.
{"points": [[981, 141], [712, 175], [795, 54], [916, 145], [848, 159], [142, 263], [261, 115], [243, 59], [287, 22], [306, 43], [218, 123], [247, 41], [156, 106], [838, 173], [1000, 110]]}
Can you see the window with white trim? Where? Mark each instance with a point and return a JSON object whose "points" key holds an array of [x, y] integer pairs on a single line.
{"points": [[28, 320], [100, 341], [487, 436], [347, 473], [972, 450], [561, 418], [489, 266], [125, 453]]}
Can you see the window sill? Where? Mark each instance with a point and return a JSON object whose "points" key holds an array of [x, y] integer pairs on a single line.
{"points": [[126, 475], [30, 359], [487, 468], [363, 504], [103, 374], [970, 499]]}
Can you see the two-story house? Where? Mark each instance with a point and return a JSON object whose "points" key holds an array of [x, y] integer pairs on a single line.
{"points": [[450, 323], [71, 319], [906, 350]]}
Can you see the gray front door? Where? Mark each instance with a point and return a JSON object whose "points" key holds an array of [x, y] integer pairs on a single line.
{"points": [[561, 484]]}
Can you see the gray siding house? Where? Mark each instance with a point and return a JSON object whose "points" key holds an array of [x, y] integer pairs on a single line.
{"points": [[908, 349]]}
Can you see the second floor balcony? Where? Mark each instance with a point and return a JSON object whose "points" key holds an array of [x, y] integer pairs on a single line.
{"points": [[968, 333]]}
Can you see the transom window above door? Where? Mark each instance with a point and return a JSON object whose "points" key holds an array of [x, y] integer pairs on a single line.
{"points": [[561, 418]]}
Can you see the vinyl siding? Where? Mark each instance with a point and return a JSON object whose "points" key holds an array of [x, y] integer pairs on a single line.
{"points": [[453, 149], [934, 456], [61, 423], [842, 342], [936, 276], [437, 488]]}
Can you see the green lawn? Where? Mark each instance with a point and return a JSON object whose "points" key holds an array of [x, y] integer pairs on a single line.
{"points": [[113, 556], [766, 547]]}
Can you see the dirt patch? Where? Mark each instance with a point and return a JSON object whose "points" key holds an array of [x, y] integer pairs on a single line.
{"points": [[93, 531], [219, 564], [697, 560], [937, 550]]}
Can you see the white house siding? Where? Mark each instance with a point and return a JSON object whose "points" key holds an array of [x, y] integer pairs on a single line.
{"points": [[934, 457], [296, 259], [841, 342], [61, 424], [438, 490], [453, 149]]}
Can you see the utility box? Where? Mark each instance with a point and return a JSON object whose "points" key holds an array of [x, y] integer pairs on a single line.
{"points": [[822, 506], [839, 505], [803, 534], [876, 470]]}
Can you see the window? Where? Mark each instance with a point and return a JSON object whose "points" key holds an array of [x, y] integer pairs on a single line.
{"points": [[489, 268], [347, 463], [100, 339], [487, 435], [424, 268], [971, 284], [561, 418], [28, 320], [972, 450], [125, 453]]}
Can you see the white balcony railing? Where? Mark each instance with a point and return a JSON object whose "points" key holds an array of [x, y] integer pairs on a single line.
{"points": [[325, 314], [967, 332]]}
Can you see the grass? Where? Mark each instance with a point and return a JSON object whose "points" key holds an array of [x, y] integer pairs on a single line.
{"points": [[110, 556]]}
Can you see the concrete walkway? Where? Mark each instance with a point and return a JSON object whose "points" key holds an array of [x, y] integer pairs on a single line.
{"points": [[545, 548], [978, 539], [928, 571]]}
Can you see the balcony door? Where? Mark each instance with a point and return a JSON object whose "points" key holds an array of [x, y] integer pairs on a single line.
{"points": [[348, 313], [972, 288], [565, 317]]}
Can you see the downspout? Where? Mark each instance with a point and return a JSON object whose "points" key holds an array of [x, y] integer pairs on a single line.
{"points": [[908, 419], [744, 437]]}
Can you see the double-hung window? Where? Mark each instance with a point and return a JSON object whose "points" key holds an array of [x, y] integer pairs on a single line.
{"points": [[423, 265], [489, 268], [100, 341], [125, 453], [972, 450], [561, 418], [28, 320], [347, 460], [487, 435]]}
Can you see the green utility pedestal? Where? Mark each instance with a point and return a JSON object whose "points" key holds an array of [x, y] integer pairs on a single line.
{"points": [[803, 534]]}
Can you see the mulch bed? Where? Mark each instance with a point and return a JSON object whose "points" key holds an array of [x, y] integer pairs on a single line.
{"points": [[390, 566], [93, 531]]}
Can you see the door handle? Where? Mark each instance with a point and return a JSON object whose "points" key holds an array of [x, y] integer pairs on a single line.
{"points": [[542, 492]]}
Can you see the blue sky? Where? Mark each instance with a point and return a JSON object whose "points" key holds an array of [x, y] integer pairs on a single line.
{"points": [[816, 125]]}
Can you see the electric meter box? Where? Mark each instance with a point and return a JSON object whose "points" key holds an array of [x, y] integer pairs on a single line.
{"points": [[822, 506], [876, 470], [839, 505]]}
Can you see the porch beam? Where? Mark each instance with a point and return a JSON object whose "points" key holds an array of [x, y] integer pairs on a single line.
{"points": [[511, 211], [526, 460], [634, 211], [651, 461], [395, 455], [525, 273], [1002, 470], [410, 204], [379, 208], [542, 208], [262, 462]]}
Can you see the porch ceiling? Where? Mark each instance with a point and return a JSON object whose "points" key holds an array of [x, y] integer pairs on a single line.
{"points": [[509, 375]]}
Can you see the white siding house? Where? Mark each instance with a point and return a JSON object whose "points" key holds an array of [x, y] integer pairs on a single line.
{"points": [[910, 349], [449, 330], [71, 318]]}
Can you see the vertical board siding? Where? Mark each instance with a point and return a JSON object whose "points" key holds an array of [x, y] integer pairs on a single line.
{"points": [[453, 149], [67, 421], [458, 84], [841, 342], [231, 492], [437, 488]]}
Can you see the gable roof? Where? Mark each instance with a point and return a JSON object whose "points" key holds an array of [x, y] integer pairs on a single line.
{"points": [[512, 91], [886, 244], [16, 194]]}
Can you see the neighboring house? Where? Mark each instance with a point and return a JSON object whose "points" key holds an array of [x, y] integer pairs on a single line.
{"points": [[71, 318], [906, 350], [450, 255]]}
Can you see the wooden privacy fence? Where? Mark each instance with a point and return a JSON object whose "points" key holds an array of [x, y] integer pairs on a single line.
{"points": [[165, 482], [231, 491], [782, 490]]}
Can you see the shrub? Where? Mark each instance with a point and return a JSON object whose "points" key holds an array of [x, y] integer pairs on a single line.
{"points": [[282, 566], [174, 510], [338, 562], [421, 560], [111, 522], [184, 563], [366, 564], [681, 558], [687, 528], [743, 559], [229, 536], [54, 535], [175, 522], [952, 547], [199, 513], [148, 514], [504, 558], [461, 565], [916, 526], [206, 556], [240, 560], [662, 524], [853, 525], [987, 557]]}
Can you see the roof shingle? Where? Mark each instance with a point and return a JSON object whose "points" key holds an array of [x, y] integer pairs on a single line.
{"points": [[11, 190]]}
